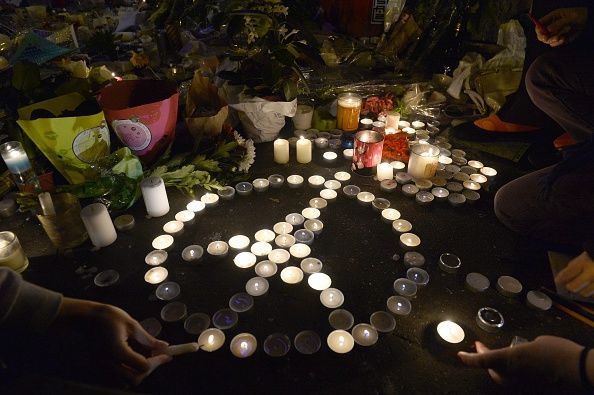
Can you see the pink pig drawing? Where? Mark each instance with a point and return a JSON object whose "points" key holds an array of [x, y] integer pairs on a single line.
{"points": [[133, 133]]}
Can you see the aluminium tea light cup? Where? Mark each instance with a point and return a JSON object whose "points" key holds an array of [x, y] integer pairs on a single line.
{"points": [[321, 142], [471, 196], [383, 322], [413, 259], [168, 291], [315, 225], [155, 257], [423, 185], [405, 287], [106, 278], [266, 269], [388, 186], [241, 302], [459, 161], [186, 217], [244, 260], [276, 181], [489, 319], [331, 298], [210, 199], [399, 305], [284, 241], [468, 170], [330, 156], [342, 176], [477, 282], [332, 184], [163, 242], [307, 342], [439, 182], [538, 300], [300, 250], [340, 341], [319, 203], [424, 198], [291, 275], [365, 198], [218, 249], [456, 199], [257, 286], [192, 253], [509, 286], [365, 335], [450, 332], [316, 181], [398, 165], [488, 172], [282, 228], [243, 345], [319, 281], [174, 311], [480, 178], [264, 235], [211, 339], [261, 184], [449, 263], [458, 152], [476, 164], [403, 178], [380, 204], [410, 190], [226, 193], [471, 185], [279, 256], [452, 169], [277, 345], [441, 194], [311, 213], [409, 241], [244, 188], [351, 191], [196, 206], [295, 181], [239, 242], [329, 194], [174, 228], [418, 276], [261, 248], [295, 219], [196, 323], [401, 226], [390, 215], [311, 265], [444, 160], [461, 177], [124, 222], [341, 319], [304, 236], [446, 175]]}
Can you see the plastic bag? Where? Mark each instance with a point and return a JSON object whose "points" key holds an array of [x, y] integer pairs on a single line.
{"points": [[511, 36]]}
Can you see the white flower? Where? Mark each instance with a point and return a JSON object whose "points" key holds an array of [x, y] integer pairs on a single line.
{"points": [[248, 159], [240, 140]]}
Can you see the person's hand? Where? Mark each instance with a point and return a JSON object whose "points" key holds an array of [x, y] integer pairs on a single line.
{"points": [[578, 276], [546, 360], [113, 331], [563, 25]]}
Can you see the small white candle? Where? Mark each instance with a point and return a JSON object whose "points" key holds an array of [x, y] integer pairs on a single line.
{"points": [[156, 257], [342, 176], [332, 184], [244, 260], [226, 193], [364, 335], [196, 206], [192, 253], [99, 225], [410, 240], [265, 235], [389, 215], [261, 184], [210, 199], [475, 164], [218, 248], [314, 225], [450, 332], [178, 349], [291, 275], [284, 240], [295, 181], [330, 156], [243, 345], [257, 286], [445, 160], [365, 198], [319, 203], [392, 119], [156, 275], [162, 242], [397, 165], [282, 228], [340, 341], [239, 242], [303, 150], [401, 226], [316, 181], [281, 151], [311, 265], [418, 124], [385, 171], [261, 248], [329, 195], [348, 154], [279, 256], [310, 213], [174, 228], [266, 269], [185, 216], [155, 196], [332, 298], [480, 178], [300, 250], [473, 186], [403, 124], [488, 171], [319, 281], [211, 339], [124, 222]]}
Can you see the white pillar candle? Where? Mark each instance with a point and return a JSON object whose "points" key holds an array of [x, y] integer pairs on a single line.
{"points": [[291, 275], [392, 119], [257, 286], [264, 235], [162, 242], [156, 275], [186, 217], [303, 150], [319, 281], [98, 224], [340, 341], [300, 250], [174, 228], [218, 248], [243, 345], [332, 298], [196, 206], [239, 242], [210, 199], [423, 161], [261, 248], [155, 196], [211, 339], [385, 171], [450, 332], [244, 260], [266, 269], [281, 151]]}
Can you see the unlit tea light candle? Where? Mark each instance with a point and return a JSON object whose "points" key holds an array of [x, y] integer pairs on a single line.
{"points": [[364, 335], [399, 305], [319, 203], [315, 225], [341, 319], [316, 181], [265, 235], [389, 215], [342, 176], [477, 282], [509, 286], [244, 188], [300, 250], [365, 198], [266, 269], [261, 248], [162, 242], [257, 286], [122, 223], [332, 298], [276, 180], [226, 193]]}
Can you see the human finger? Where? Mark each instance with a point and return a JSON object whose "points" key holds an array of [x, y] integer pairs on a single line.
{"points": [[140, 334], [559, 27], [127, 375], [570, 272], [492, 359], [126, 355], [549, 18]]}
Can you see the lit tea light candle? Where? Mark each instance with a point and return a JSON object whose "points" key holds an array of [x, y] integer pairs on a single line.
{"points": [[295, 181], [319, 203], [509, 286], [480, 178], [155, 258], [409, 240], [389, 215], [388, 186], [261, 184], [398, 165], [276, 180], [162, 242], [383, 321], [218, 249], [347, 154], [364, 335], [342, 176], [261, 248], [307, 342], [192, 253], [210, 199], [449, 263], [340, 341], [281, 151], [211, 339], [330, 156], [380, 204], [244, 188], [311, 265], [284, 240], [226, 193], [316, 181], [329, 195], [424, 198], [304, 236], [279, 256], [300, 250], [488, 171], [239, 242], [365, 198], [399, 305], [319, 281], [321, 142], [174, 228], [282, 228], [186, 217], [403, 178], [257, 286], [98, 224], [476, 164], [155, 196], [401, 226], [332, 298], [243, 345], [385, 171], [410, 190], [418, 276], [351, 191], [440, 193], [264, 235], [471, 185], [450, 332], [266, 269], [295, 219], [310, 213], [291, 275], [244, 260], [196, 206], [314, 225], [156, 275], [332, 185], [445, 160]]}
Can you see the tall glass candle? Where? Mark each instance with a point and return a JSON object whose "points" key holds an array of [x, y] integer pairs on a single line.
{"points": [[18, 164], [347, 111], [423, 161], [155, 196], [98, 224]]}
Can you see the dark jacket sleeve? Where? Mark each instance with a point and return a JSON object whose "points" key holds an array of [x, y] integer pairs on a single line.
{"points": [[25, 305]]}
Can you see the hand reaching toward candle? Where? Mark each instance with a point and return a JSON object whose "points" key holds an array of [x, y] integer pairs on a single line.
{"points": [[578, 276], [546, 360], [563, 25]]}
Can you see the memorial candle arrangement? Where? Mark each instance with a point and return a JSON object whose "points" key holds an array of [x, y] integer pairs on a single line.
{"points": [[155, 196], [423, 161]]}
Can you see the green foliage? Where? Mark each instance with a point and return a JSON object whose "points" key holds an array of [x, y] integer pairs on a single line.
{"points": [[26, 77]]}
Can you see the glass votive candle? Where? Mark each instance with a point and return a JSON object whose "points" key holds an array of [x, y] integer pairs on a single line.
{"points": [[276, 180], [284, 240], [509, 286], [243, 345], [450, 332], [300, 250], [390, 215], [291, 275], [218, 249], [186, 217], [192, 253], [342, 176], [196, 207], [332, 298], [261, 184], [329, 194], [168, 291], [277, 345], [226, 193], [257, 286], [210, 199], [347, 154], [409, 240], [244, 188], [264, 235], [401, 226], [174, 228], [410, 190], [321, 142], [241, 302], [196, 323], [311, 265], [211, 339], [243, 260], [365, 198], [441, 194], [295, 181], [174, 311], [266, 269], [304, 236], [399, 305], [456, 199], [156, 275], [418, 276], [388, 186], [279, 256], [122, 223], [413, 259], [295, 219], [163, 242], [477, 282], [340, 341], [307, 342], [351, 191], [319, 281], [341, 319], [316, 181], [380, 204], [383, 322], [261, 248], [424, 198], [239, 242], [282, 228], [310, 213], [364, 335], [315, 225], [156, 257], [489, 319], [319, 203], [449, 263], [405, 287]]}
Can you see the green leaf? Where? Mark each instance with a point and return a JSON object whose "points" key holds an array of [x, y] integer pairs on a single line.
{"points": [[224, 150], [208, 165], [290, 90]]}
